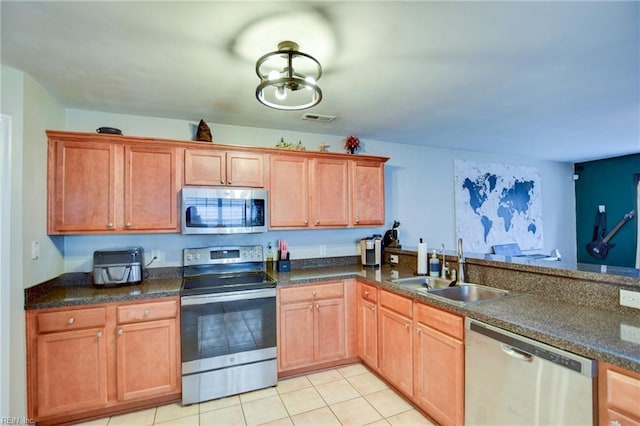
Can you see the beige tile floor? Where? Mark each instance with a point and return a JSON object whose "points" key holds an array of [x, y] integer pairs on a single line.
{"points": [[349, 395]]}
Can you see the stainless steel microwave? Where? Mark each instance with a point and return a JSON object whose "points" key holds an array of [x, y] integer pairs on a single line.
{"points": [[224, 210]]}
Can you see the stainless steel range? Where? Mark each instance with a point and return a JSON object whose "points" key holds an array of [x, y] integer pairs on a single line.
{"points": [[228, 323]]}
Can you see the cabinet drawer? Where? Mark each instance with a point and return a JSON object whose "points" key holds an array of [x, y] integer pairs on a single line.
{"points": [[71, 320], [445, 322], [147, 311], [399, 304], [368, 292], [623, 392], [328, 290]]}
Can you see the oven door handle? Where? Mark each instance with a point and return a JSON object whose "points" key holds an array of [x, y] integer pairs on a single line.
{"points": [[202, 299]]}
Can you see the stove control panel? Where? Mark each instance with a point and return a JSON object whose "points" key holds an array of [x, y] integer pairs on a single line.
{"points": [[222, 255]]}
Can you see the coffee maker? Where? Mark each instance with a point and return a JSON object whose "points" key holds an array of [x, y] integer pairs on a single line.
{"points": [[371, 250]]}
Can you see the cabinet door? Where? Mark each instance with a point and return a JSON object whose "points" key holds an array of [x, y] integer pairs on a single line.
{"points": [[439, 375], [295, 338], [395, 359], [71, 370], [368, 333], [81, 187], [204, 167], [329, 192], [151, 188], [147, 359], [329, 330], [367, 181], [289, 194], [245, 169]]}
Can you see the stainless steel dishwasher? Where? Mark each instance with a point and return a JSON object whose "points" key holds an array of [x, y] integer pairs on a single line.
{"points": [[513, 380]]}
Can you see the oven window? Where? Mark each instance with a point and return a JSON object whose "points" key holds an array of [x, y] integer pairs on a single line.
{"points": [[223, 328]]}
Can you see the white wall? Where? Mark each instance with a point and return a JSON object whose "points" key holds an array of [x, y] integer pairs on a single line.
{"points": [[32, 110], [419, 193]]}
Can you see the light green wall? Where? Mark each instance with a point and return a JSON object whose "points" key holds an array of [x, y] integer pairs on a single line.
{"points": [[32, 109]]}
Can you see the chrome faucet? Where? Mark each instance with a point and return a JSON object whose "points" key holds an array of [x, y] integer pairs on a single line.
{"points": [[460, 262]]}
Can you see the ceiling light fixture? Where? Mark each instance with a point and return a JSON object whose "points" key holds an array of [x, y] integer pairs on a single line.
{"points": [[288, 78]]}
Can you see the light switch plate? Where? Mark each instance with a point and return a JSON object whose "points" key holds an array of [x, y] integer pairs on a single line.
{"points": [[630, 298]]}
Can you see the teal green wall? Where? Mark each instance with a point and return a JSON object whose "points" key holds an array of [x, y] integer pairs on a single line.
{"points": [[609, 182]]}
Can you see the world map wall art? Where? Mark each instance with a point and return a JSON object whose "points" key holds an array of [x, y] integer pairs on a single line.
{"points": [[497, 204]]}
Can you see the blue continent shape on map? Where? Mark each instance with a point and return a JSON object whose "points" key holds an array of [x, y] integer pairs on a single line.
{"points": [[516, 199], [478, 194]]}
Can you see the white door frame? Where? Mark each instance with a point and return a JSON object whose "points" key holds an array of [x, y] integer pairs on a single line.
{"points": [[5, 260]]}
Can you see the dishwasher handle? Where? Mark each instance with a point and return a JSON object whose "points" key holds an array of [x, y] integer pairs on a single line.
{"points": [[513, 352]]}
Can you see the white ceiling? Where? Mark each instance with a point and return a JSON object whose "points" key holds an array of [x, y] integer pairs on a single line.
{"points": [[547, 80]]}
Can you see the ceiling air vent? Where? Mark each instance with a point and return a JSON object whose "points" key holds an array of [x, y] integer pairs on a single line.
{"points": [[319, 118]]}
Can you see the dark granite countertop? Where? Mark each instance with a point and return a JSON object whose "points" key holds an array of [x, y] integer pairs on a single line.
{"points": [[590, 332]]}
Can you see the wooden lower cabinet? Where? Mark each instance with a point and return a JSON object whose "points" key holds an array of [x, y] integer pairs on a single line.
{"points": [[367, 318], [395, 341], [438, 356], [618, 396], [146, 359], [312, 327], [89, 361], [71, 371]]}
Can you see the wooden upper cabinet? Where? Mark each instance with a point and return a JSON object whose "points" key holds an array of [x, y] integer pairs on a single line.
{"points": [[151, 188], [81, 187], [367, 193], [209, 167], [103, 185], [329, 181], [289, 192]]}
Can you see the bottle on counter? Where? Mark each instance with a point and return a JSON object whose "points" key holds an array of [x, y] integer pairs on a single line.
{"points": [[270, 259], [434, 265]]}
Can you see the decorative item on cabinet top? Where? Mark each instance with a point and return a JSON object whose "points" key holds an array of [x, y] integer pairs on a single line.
{"points": [[204, 132], [109, 130], [352, 143], [286, 145]]}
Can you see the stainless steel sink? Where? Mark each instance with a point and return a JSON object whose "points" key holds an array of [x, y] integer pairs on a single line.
{"points": [[469, 293], [462, 294], [422, 283]]}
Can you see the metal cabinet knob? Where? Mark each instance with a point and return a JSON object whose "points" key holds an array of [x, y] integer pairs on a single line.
{"points": [[373, 309], [419, 330], [313, 293], [221, 182], [310, 306], [366, 292], [128, 225], [406, 326], [317, 222], [357, 220], [110, 225], [70, 320], [99, 334], [120, 332], [306, 222], [230, 183], [146, 313], [317, 306]]}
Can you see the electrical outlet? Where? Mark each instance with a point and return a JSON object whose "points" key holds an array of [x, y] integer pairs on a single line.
{"points": [[35, 250], [157, 256], [630, 298], [393, 259], [630, 333]]}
